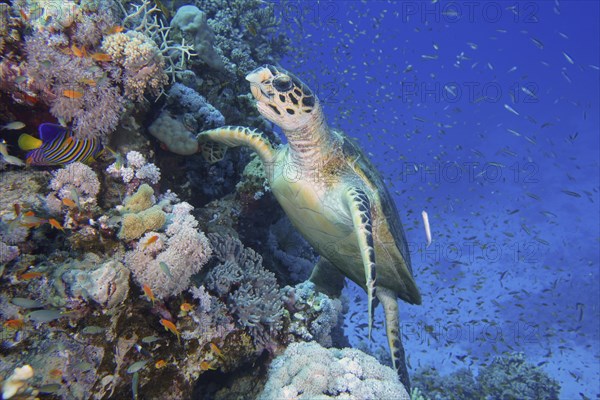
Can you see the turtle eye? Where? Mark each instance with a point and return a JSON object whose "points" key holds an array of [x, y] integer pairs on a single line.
{"points": [[282, 83]]}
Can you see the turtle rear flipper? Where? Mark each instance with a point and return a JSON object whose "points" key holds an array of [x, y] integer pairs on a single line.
{"points": [[234, 136], [392, 326], [360, 210]]}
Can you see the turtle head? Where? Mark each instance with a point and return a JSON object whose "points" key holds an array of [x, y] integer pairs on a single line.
{"points": [[282, 98]]}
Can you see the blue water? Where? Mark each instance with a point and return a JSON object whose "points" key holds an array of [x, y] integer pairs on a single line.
{"points": [[486, 116]]}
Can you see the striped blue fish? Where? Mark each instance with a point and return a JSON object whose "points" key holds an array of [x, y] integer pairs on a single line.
{"points": [[57, 146]]}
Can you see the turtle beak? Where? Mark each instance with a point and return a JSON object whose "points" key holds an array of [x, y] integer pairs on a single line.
{"points": [[257, 79]]}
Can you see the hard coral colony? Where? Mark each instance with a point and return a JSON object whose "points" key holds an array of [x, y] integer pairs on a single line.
{"points": [[141, 256]]}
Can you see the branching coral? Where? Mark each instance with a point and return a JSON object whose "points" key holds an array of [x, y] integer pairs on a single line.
{"points": [[250, 292], [309, 371], [211, 319], [145, 19]]}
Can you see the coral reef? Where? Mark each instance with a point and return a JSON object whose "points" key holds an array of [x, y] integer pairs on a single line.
{"points": [[514, 378], [308, 371], [190, 24], [313, 315], [142, 65], [250, 292], [507, 377], [104, 281], [77, 89], [289, 250], [246, 33], [134, 170], [186, 112], [166, 261], [76, 182], [7, 253]]}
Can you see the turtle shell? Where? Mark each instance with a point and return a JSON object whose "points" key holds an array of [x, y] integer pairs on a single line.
{"points": [[385, 216]]}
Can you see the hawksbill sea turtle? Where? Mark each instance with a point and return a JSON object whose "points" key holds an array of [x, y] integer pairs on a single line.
{"points": [[333, 196]]}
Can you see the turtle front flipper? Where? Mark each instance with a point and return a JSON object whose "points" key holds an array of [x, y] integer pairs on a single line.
{"points": [[234, 136], [360, 210], [392, 326]]}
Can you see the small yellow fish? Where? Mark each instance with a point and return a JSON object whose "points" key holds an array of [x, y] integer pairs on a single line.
{"points": [[160, 364], [205, 366], [13, 126], [90, 82], [186, 307]]}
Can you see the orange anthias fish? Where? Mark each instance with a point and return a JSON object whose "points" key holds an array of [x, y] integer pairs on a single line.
{"points": [[55, 373], [30, 220], [101, 57], [13, 324], [153, 239], [30, 275], [69, 203], [186, 307], [169, 326], [77, 51], [205, 366], [149, 294], [55, 224], [160, 364], [72, 94], [115, 29]]}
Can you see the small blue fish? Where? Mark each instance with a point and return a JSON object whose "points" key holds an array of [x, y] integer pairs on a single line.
{"points": [[57, 146]]}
